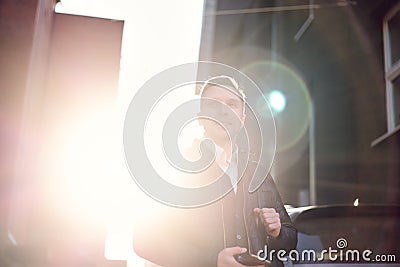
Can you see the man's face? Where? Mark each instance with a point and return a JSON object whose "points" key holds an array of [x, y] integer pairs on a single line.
{"points": [[225, 112]]}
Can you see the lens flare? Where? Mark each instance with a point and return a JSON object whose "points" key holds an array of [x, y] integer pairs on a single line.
{"points": [[277, 101], [288, 98]]}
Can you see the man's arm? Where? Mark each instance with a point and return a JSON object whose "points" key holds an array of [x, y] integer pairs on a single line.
{"points": [[278, 225], [165, 240]]}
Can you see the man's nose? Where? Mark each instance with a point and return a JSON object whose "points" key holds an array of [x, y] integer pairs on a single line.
{"points": [[221, 111]]}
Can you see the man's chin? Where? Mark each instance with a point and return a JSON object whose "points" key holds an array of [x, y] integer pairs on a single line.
{"points": [[219, 137]]}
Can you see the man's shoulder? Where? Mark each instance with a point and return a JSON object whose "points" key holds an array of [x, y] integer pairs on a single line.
{"points": [[254, 169]]}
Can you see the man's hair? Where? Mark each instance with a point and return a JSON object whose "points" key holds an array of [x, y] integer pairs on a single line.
{"points": [[226, 82]]}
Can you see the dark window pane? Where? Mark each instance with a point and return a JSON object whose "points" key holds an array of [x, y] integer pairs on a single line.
{"points": [[396, 100], [394, 33]]}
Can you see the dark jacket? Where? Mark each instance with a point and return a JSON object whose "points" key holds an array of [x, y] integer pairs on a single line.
{"points": [[193, 237]]}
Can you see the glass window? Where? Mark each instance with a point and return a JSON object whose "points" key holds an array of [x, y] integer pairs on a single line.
{"points": [[394, 37], [391, 39], [396, 100]]}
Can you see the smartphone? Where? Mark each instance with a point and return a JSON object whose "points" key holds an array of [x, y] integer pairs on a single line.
{"points": [[250, 260]]}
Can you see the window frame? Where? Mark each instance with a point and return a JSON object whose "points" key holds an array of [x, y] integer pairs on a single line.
{"points": [[392, 70]]}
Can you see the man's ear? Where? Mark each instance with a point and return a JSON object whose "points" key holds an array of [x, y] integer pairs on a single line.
{"points": [[200, 120], [243, 120]]}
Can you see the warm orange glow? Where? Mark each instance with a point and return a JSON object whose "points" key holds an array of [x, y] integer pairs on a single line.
{"points": [[96, 183]]}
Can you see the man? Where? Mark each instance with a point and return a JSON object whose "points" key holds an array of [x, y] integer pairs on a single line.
{"points": [[223, 233]]}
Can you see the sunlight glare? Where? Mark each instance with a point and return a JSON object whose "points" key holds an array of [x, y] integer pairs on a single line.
{"points": [[156, 35]]}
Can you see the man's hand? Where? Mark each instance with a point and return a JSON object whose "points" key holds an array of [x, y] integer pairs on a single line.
{"points": [[270, 218], [226, 257]]}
